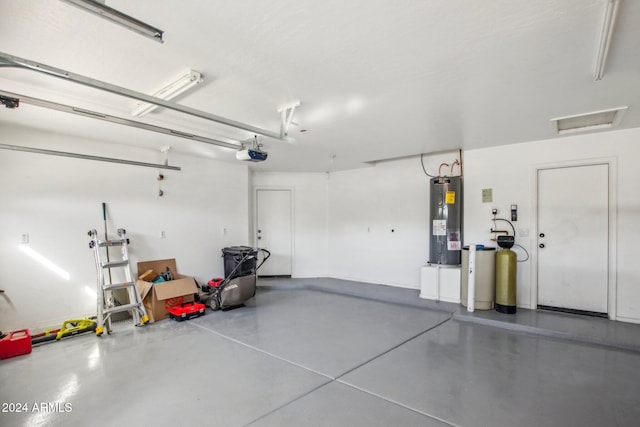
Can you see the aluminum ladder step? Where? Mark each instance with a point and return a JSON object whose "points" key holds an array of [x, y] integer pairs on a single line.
{"points": [[123, 263], [123, 285], [121, 308], [119, 242]]}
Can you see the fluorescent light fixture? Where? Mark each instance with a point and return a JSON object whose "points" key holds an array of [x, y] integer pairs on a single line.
{"points": [[608, 23], [597, 120], [104, 11], [170, 91]]}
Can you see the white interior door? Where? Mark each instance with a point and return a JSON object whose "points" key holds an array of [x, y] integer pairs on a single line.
{"points": [[573, 237], [274, 230]]}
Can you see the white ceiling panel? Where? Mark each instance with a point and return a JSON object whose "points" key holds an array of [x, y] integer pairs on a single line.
{"points": [[376, 79]]}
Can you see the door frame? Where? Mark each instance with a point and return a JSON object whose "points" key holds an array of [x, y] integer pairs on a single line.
{"points": [[612, 291], [293, 222]]}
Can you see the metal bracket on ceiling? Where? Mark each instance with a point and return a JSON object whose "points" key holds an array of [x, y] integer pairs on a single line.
{"points": [[165, 151], [9, 102], [14, 61], [286, 114]]}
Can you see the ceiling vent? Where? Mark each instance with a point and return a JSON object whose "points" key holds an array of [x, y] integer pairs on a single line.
{"points": [[588, 122]]}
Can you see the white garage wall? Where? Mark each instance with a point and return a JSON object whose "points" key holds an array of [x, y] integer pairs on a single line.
{"points": [[309, 216], [509, 171], [56, 200], [365, 204], [343, 220], [379, 221]]}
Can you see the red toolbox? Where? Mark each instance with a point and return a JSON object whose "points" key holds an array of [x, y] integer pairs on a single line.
{"points": [[187, 310], [15, 343]]}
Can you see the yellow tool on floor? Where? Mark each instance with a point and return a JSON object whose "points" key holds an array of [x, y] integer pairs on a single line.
{"points": [[68, 329]]}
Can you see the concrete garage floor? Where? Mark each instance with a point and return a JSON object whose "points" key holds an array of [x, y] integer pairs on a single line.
{"points": [[325, 352]]}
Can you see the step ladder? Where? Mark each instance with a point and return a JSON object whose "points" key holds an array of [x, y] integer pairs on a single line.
{"points": [[118, 268]]}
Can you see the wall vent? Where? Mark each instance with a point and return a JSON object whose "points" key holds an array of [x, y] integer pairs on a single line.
{"points": [[597, 120]]}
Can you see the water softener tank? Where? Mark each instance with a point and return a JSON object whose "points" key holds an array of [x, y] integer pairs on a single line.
{"points": [[506, 264], [445, 240]]}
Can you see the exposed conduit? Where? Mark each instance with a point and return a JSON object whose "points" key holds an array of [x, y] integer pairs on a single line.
{"points": [[119, 120], [7, 60], [86, 157]]}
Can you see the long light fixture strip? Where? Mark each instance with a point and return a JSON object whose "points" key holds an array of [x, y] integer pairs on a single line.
{"points": [[170, 91]]}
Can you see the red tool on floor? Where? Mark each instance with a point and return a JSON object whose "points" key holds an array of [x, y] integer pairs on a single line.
{"points": [[186, 311], [15, 343]]}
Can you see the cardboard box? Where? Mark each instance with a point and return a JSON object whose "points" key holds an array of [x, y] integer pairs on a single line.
{"points": [[159, 297]]}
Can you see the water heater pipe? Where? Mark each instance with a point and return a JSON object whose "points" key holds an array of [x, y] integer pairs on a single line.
{"points": [[471, 292], [456, 162], [437, 283], [500, 231]]}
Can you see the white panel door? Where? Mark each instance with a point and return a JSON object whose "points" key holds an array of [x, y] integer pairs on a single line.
{"points": [[573, 237], [274, 230]]}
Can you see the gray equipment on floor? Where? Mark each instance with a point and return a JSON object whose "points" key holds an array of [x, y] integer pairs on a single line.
{"points": [[240, 282]]}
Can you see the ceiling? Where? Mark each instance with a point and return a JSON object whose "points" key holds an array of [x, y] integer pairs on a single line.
{"points": [[376, 79]]}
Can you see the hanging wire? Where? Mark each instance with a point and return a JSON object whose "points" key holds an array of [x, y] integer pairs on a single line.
{"points": [[423, 168], [525, 251]]}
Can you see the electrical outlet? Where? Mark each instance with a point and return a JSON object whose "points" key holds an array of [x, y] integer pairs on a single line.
{"points": [[494, 211], [24, 238], [163, 234]]}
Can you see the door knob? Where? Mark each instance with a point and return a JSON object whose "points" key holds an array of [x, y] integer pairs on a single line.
{"points": [[541, 234], [541, 245], [259, 237], [259, 231]]}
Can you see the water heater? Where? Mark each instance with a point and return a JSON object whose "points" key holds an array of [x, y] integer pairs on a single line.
{"points": [[445, 229]]}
